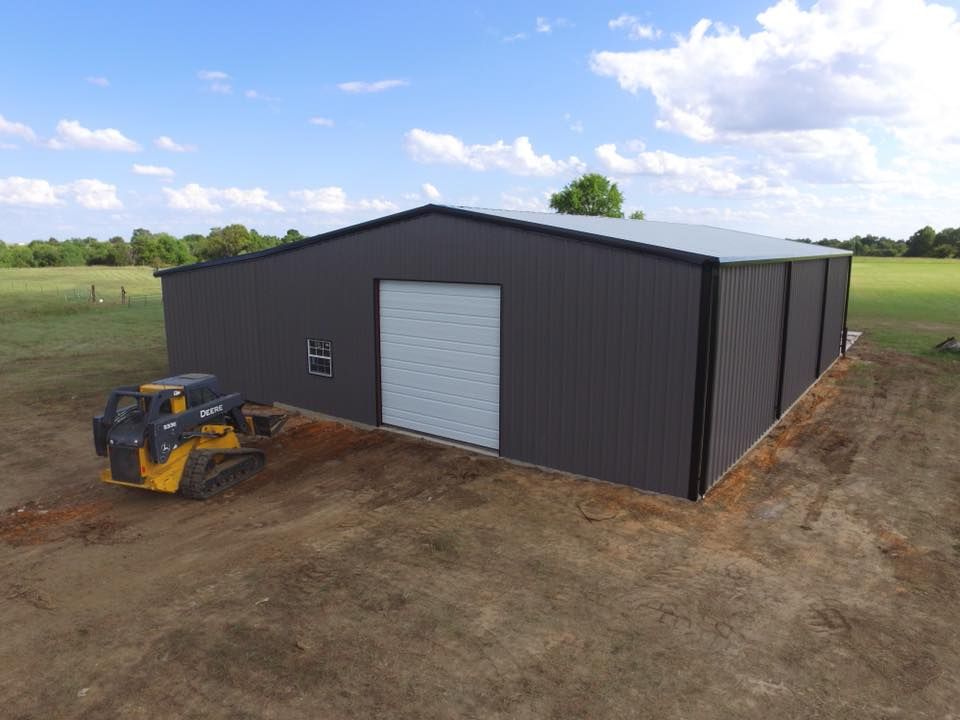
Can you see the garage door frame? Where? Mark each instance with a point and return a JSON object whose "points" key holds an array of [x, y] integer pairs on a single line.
{"points": [[378, 390]]}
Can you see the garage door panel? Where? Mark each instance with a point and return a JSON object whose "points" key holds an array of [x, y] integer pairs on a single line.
{"points": [[440, 371], [477, 311], [440, 359], [399, 342], [477, 335], [442, 428], [448, 408], [409, 294], [454, 387]]}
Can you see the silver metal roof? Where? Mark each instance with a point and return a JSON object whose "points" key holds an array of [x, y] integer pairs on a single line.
{"points": [[710, 243]]}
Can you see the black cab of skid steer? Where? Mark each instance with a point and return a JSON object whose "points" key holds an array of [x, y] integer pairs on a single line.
{"points": [[133, 418]]}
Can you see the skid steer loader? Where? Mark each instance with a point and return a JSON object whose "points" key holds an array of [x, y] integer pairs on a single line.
{"points": [[179, 434]]}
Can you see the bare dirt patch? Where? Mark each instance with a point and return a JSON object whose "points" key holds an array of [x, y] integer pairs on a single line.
{"points": [[370, 574]]}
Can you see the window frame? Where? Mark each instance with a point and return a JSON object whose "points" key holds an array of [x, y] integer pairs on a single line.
{"points": [[316, 355]]}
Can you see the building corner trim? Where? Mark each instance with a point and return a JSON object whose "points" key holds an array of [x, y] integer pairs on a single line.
{"points": [[703, 388]]}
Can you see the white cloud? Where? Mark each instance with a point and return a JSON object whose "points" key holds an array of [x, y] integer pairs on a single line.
{"points": [[210, 199], [71, 134], [514, 38], [376, 204], [16, 129], [321, 121], [34, 192], [574, 125], [333, 199], [217, 81], [361, 86], [533, 203], [430, 191], [325, 199], [838, 62], [8, 146], [27, 191], [97, 80], [636, 29], [543, 25], [689, 174], [165, 142], [95, 194], [152, 170], [517, 158], [842, 155], [256, 95]]}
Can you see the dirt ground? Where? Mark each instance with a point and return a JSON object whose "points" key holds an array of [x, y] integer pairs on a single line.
{"points": [[368, 574]]}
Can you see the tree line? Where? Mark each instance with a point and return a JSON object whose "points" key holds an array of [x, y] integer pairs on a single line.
{"points": [[143, 248], [925, 242]]}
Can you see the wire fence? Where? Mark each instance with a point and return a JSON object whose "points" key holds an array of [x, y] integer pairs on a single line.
{"points": [[144, 299], [87, 294]]}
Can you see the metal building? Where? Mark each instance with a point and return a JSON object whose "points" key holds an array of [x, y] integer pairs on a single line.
{"points": [[643, 353]]}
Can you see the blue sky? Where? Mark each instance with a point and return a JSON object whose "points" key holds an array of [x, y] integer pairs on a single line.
{"points": [[793, 119]]}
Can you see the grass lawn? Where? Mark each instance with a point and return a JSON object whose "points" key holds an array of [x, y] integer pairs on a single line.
{"points": [[907, 304], [51, 345]]}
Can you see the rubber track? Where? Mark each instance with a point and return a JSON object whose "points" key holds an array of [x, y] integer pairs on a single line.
{"points": [[203, 477]]}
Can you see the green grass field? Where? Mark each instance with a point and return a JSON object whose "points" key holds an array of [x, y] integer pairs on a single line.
{"points": [[54, 340], [907, 304]]}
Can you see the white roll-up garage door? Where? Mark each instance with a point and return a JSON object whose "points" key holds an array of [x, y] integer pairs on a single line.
{"points": [[440, 359]]}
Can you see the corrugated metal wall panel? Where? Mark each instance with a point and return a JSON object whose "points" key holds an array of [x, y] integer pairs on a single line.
{"points": [[803, 329], [747, 369], [599, 344], [833, 314]]}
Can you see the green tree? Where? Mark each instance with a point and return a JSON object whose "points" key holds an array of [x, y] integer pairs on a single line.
{"points": [[261, 242], [120, 254], [144, 247], [46, 253], [590, 194], [73, 254], [921, 242], [948, 243], [21, 256], [291, 236], [195, 243], [637, 215], [226, 242], [171, 250]]}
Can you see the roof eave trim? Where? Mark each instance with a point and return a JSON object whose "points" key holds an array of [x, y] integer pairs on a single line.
{"points": [[785, 259]]}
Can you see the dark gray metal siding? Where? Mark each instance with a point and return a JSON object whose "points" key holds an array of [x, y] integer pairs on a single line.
{"points": [[833, 313], [747, 362], [803, 329], [598, 343]]}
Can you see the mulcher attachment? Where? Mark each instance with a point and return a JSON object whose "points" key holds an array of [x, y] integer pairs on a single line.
{"points": [[208, 472], [265, 424]]}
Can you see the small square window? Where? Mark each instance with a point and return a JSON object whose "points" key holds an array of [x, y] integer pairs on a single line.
{"points": [[320, 357]]}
